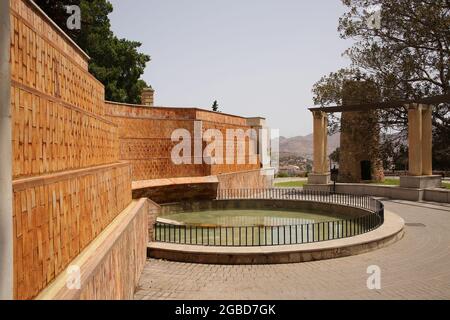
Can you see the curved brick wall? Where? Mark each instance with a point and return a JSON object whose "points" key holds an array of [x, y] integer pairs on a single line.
{"points": [[145, 139]]}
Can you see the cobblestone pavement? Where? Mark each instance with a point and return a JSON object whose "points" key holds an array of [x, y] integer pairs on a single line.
{"points": [[416, 267]]}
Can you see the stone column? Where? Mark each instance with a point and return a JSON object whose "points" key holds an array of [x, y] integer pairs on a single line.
{"points": [[415, 139], [420, 136], [262, 143], [321, 174], [320, 142], [261, 151], [427, 141]]}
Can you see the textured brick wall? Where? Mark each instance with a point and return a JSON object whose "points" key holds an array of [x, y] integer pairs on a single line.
{"points": [[145, 139], [67, 142], [57, 106], [240, 163], [111, 265], [51, 137], [118, 274], [68, 183], [57, 216], [43, 59], [220, 118], [254, 179], [145, 112]]}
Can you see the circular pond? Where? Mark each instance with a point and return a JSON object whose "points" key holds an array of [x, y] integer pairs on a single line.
{"points": [[262, 222], [250, 217], [271, 229]]}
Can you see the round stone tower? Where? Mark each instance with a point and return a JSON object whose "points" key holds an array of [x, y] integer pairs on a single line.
{"points": [[359, 158]]}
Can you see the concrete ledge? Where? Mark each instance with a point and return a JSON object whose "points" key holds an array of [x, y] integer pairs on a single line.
{"points": [[393, 192], [143, 184], [176, 189], [31, 182], [319, 179], [437, 195], [318, 187], [390, 232], [420, 182]]}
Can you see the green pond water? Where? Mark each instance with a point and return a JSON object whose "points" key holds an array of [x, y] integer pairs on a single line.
{"points": [[254, 227], [240, 218]]}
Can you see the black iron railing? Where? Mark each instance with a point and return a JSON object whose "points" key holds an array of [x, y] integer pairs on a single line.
{"points": [[241, 236]]}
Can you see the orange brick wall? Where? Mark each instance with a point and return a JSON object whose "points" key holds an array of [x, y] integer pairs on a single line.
{"points": [[234, 167], [57, 106], [254, 179], [68, 179], [68, 182], [55, 217], [43, 59], [145, 112], [118, 274], [51, 137], [145, 139], [222, 118]]}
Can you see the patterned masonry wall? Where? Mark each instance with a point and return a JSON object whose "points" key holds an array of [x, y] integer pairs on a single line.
{"points": [[145, 140], [49, 137], [124, 263], [68, 182], [55, 218], [57, 106], [68, 179], [240, 163], [254, 179]]}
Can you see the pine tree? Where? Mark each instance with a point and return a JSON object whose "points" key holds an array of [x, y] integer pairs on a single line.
{"points": [[215, 106]]}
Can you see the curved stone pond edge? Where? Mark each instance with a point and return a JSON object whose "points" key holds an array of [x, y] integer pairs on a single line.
{"points": [[390, 232]]}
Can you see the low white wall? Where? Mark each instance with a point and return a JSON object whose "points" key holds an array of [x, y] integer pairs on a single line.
{"points": [[392, 192], [437, 195]]}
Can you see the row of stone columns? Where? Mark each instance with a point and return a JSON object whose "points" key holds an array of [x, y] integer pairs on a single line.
{"points": [[419, 136]]}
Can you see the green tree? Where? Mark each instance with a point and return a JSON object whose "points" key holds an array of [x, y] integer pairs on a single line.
{"points": [[215, 106], [334, 156], [115, 62], [407, 55]]}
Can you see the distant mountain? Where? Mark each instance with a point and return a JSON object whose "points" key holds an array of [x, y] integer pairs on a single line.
{"points": [[303, 145]]}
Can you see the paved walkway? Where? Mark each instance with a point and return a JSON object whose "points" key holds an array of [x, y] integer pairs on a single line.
{"points": [[416, 267]]}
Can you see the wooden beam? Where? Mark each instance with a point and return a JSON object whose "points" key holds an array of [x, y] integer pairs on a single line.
{"points": [[434, 100]]}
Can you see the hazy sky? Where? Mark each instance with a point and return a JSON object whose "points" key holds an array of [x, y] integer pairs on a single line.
{"points": [[256, 57]]}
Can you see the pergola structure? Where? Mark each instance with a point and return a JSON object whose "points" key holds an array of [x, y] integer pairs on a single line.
{"points": [[419, 138]]}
